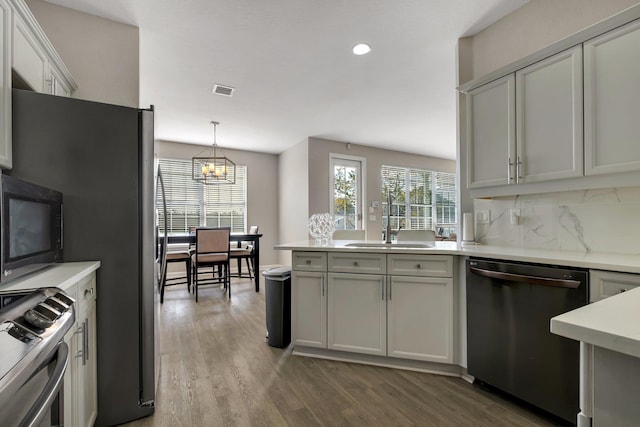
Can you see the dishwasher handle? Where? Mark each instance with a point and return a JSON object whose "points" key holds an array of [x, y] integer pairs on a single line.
{"points": [[532, 280]]}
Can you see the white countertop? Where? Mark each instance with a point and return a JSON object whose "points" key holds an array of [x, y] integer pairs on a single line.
{"points": [[62, 275], [593, 260], [612, 323]]}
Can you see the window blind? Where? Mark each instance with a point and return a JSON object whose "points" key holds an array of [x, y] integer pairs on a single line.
{"points": [[422, 199], [193, 204]]}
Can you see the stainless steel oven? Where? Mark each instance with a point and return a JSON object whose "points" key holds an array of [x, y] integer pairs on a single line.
{"points": [[33, 357]]}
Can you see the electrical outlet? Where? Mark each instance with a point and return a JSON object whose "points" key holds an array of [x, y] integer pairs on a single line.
{"points": [[375, 204], [483, 216]]}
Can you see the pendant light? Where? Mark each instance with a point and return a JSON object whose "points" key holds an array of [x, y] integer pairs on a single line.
{"points": [[213, 169]]}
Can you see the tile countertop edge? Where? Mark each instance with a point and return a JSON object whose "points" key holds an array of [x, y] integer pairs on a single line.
{"points": [[60, 275], [601, 261], [612, 323]]}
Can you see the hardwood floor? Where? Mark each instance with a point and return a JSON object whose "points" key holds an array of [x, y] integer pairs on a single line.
{"points": [[217, 370]]}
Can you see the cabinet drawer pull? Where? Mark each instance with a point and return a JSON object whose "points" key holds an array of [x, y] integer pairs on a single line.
{"points": [[355, 263], [88, 292], [419, 266], [308, 261]]}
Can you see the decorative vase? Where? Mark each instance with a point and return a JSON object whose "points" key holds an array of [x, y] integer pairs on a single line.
{"points": [[321, 227]]}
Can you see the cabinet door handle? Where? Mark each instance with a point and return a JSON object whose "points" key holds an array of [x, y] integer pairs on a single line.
{"points": [[382, 286], [81, 352], [509, 164], [519, 168], [389, 292], [86, 342], [322, 285]]}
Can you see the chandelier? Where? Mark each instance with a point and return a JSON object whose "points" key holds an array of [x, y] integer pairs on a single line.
{"points": [[213, 169]]}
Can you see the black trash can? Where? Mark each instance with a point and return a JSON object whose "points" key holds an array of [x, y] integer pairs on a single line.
{"points": [[278, 306]]}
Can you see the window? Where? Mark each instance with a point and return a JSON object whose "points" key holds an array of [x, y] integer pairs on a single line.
{"points": [[192, 204], [421, 200]]}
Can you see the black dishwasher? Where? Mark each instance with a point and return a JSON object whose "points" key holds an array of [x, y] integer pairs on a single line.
{"points": [[509, 345]]}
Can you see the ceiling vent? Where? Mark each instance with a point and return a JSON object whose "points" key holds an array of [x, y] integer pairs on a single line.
{"points": [[223, 90]]}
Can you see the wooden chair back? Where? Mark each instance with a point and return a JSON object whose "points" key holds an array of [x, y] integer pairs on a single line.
{"points": [[212, 240]]}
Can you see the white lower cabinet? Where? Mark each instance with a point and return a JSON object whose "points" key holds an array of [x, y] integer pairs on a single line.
{"points": [[420, 318], [86, 360], [357, 313], [392, 305], [604, 284], [309, 309], [80, 380], [70, 391]]}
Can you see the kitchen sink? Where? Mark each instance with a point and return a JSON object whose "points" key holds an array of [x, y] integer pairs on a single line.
{"points": [[390, 245]]}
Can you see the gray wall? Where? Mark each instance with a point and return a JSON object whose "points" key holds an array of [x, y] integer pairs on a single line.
{"points": [[262, 189], [102, 55]]}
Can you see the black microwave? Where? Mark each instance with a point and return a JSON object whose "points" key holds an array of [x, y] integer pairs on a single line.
{"points": [[31, 231]]}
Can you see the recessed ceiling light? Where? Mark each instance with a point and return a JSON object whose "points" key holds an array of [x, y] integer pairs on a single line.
{"points": [[361, 49]]}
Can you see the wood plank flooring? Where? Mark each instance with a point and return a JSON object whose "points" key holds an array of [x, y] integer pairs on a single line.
{"points": [[217, 370]]}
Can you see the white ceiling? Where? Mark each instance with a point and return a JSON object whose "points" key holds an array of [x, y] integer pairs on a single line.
{"points": [[295, 76]]}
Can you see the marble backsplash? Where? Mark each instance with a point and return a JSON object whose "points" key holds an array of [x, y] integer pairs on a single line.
{"points": [[588, 221]]}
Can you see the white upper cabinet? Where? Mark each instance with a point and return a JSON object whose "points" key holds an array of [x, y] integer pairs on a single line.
{"points": [[5, 85], [35, 61], [549, 118], [611, 101], [491, 133], [29, 58], [566, 117], [527, 126]]}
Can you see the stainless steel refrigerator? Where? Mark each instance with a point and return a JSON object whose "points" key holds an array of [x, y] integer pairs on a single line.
{"points": [[100, 157]]}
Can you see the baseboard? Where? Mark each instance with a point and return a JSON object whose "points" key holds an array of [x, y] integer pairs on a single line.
{"points": [[387, 362]]}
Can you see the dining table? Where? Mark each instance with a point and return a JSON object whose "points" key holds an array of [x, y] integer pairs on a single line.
{"points": [[254, 238]]}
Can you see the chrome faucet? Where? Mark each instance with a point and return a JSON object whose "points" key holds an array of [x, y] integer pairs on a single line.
{"points": [[387, 235]]}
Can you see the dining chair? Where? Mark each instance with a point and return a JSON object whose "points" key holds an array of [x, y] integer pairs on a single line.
{"points": [[416, 236], [175, 256], [349, 235], [245, 251], [212, 250]]}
